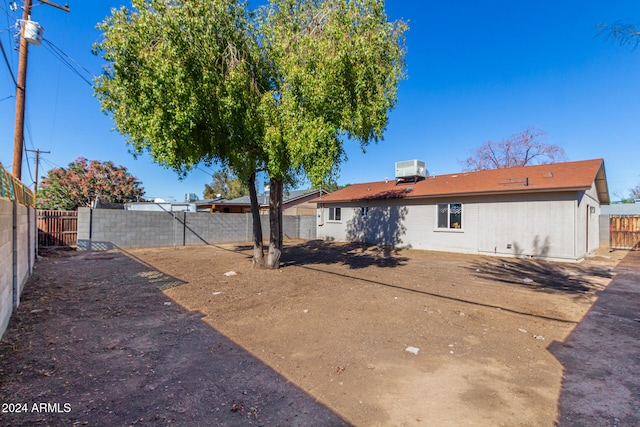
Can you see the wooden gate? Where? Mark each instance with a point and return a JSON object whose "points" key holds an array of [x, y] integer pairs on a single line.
{"points": [[624, 231], [57, 229]]}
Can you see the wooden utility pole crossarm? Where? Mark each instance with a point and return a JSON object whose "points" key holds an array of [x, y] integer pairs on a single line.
{"points": [[21, 89], [38, 152], [57, 6]]}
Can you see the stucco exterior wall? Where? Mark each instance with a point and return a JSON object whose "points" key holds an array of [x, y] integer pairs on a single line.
{"points": [[589, 209], [544, 226]]}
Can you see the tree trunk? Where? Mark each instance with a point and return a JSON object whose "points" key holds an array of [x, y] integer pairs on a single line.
{"points": [[258, 253], [275, 223]]}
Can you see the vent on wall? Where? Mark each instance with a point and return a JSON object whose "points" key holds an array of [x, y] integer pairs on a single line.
{"points": [[411, 169]]}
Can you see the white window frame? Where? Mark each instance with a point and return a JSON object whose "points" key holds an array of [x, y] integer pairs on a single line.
{"points": [[449, 225], [332, 213], [364, 211]]}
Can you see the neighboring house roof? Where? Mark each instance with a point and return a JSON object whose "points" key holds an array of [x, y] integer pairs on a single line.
{"points": [[263, 199], [569, 176], [621, 209]]}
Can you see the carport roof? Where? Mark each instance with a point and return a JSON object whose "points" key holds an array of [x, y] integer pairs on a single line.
{"points": [[554, 177]]}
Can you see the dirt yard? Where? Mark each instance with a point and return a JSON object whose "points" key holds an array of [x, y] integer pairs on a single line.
{"points": [[340, 335]]}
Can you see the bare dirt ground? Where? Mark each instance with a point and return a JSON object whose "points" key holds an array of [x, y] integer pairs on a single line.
{"points": [[340, 335]]}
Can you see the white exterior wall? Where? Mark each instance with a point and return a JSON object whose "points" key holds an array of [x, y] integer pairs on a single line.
{"points": [[589, 236], [541, 226], [545, 226]]}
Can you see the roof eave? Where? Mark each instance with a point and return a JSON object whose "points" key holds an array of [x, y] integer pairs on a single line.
{"points": [[466, 194]]}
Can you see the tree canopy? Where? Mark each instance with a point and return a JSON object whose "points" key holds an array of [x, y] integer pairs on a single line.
{"points": [[521, 149], [83, 182], [278, 89]]}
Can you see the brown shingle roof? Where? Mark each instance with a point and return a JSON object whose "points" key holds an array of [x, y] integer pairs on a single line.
{"points": [[569, 176]]}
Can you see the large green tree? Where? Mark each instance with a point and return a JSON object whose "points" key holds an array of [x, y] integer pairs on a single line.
{"points": [[82, 182], [183, 82], [336, 66], [279, 89]]}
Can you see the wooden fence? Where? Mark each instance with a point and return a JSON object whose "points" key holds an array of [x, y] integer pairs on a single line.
{"points": [[57, 228], [624, 231]]}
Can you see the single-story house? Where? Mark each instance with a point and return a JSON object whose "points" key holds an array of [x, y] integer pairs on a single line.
{"points": [[295, 202], [546, 211]]}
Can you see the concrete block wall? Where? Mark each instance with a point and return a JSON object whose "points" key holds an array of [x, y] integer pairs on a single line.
{"points": [[25, 245], [16, 256], [102, 229], [6, 263]]}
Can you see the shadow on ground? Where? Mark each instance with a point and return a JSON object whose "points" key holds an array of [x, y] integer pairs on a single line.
{"points": [[353, 255], [97, 342], [601, 357], [541, 276]]}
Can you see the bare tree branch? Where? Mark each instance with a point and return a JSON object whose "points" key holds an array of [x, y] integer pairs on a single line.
{"points": [[521, 149], [625, 34]]}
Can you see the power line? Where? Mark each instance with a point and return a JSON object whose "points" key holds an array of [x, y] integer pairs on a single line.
{"points": [[9, 26], [18, 140], [202, 170], [52, 163], [68, 61], [6, 60], [28, 166]]}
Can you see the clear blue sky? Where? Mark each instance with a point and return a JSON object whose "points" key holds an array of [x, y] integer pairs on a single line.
{"points": [[477, 71]]}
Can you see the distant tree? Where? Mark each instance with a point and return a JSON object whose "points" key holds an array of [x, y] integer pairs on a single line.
{"points": [[83, 181], [331, 185], [625, 34], [635, 192], [522, 149], [227, 184]]}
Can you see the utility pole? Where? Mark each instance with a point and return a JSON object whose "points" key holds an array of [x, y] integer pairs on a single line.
{"points": [[37, 151], [20, 93], [21, 89]]}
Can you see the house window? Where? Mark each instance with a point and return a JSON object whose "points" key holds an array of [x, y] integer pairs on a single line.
{"points": [[335, 214], [364, 211], [450, 215]]}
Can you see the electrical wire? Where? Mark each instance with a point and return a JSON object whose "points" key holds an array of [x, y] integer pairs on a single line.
{"points": [[68, 61], [6, 60], [44, 159], [55, 104], [30, 139], [26, 156], [202, 170], [9, 26]]}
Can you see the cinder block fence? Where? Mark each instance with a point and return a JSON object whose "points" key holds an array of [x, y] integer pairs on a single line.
{"points": [[17, 254], [102, 229]]}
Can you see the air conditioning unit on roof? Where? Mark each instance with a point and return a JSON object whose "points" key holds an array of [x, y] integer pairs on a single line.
{"points": [[411, 169]]}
